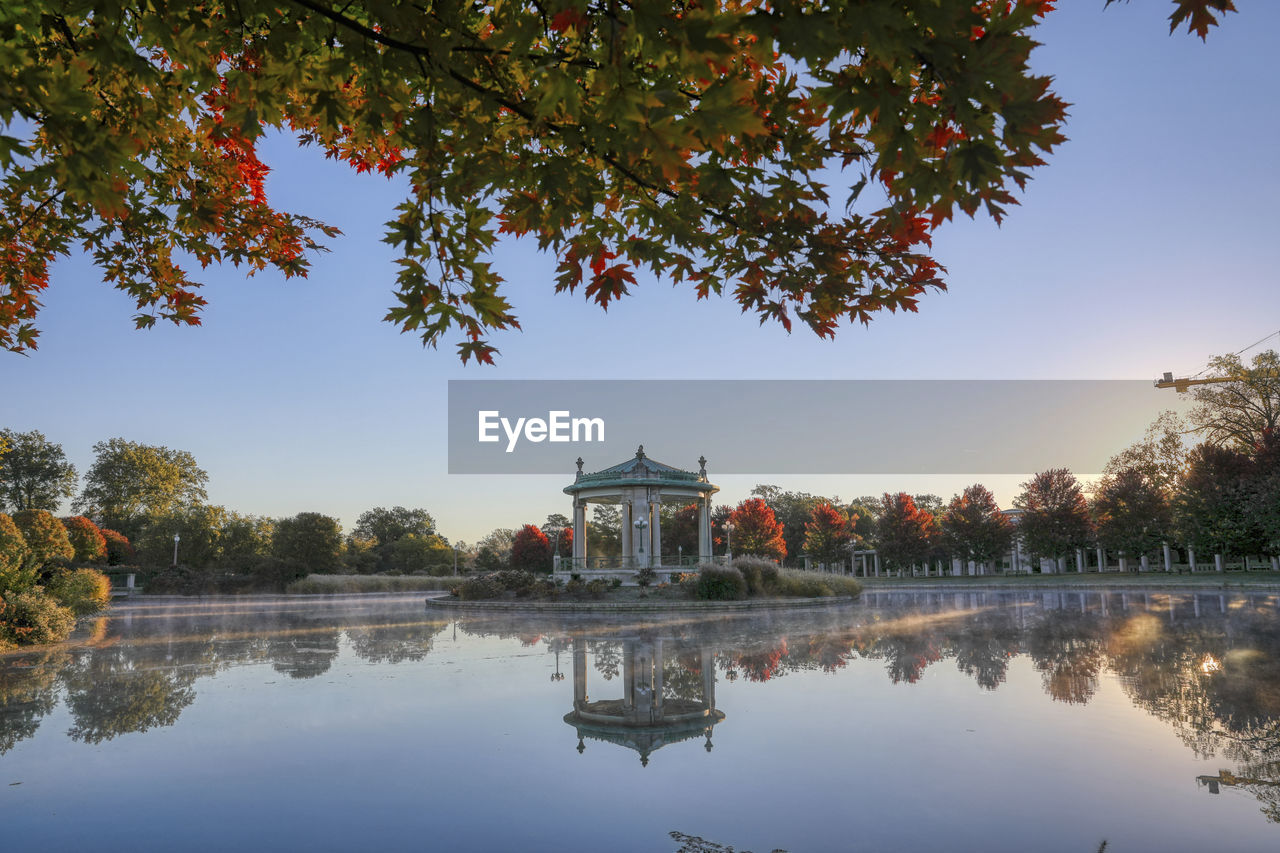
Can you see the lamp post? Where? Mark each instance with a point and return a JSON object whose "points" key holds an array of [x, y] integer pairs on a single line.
{"points": [[555, 550], [455, 561], [680, 556], [175, 550], [728, 529], [641, 525]]}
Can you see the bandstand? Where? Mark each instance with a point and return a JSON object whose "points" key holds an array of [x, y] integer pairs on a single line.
{"points": [[645, 718], [638, 487]]}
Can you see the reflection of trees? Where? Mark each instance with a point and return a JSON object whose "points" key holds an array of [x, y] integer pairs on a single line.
{"points": [[304, 656], [140, 667], [759, 663], [607, 656], [1067, 649], [983, 648], [395, 641], [28, 691], [110, 694]]}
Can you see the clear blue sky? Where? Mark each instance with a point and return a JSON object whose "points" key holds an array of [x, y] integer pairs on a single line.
{"points": [[1147, 244]]}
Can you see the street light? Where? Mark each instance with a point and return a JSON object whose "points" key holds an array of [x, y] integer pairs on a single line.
{"points": [[555, 549], [641, 525], [175, 550], [728, 529]]}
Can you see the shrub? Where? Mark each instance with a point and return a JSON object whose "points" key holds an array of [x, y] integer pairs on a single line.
{"points": [[14, 575], [804, 587], [119, 551], [721, 583], [516, 580], [477, 588], [86, 539], [815, 584], [645, 576], [546, 588], [596, 587], [47, 542], [32, 618], [760, 574], [84, 591], [575, 587], [347, 584]]}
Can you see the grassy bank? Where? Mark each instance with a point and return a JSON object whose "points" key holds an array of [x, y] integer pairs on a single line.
{"points": [[344, 584]]}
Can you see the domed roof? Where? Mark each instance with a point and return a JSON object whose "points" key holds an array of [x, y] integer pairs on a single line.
{"points": [[642, 471]]}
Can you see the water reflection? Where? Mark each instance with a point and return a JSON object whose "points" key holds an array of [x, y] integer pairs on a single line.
{"points": [[668, 691], [139, 669], [1206, 664]]}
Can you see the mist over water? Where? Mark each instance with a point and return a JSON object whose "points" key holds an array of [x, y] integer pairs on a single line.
{"points": [[907, 721]]}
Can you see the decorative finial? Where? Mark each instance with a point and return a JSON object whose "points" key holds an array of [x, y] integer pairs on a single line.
{"points": [[582, 747], [640, 452], [579, 464], [702, 460]]}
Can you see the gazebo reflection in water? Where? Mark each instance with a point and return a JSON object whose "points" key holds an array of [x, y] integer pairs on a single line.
{"points": [[650, 714]]}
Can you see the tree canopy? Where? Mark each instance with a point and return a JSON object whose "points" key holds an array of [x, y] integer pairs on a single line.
{"points": [[756, 531], [35, 473], [1055, 514], [1239, 414], [723, 145], [129, 481]]}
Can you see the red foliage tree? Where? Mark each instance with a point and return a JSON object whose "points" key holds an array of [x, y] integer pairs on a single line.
{"points": [[531, 550], [906, 534], [826, 534], [87, 540], [119, 551], [756, 531]]}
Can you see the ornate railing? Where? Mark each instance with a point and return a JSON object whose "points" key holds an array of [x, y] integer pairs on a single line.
{"points": [[671, 562]]}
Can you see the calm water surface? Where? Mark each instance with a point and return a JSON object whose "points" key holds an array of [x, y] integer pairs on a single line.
{"points": [[933, 721]]}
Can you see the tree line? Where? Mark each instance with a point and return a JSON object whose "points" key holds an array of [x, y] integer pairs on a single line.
{"points": [[145, 507], [1220, 497]]}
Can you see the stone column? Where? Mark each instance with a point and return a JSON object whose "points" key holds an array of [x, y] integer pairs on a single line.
{"points": [[579, 532], [628, 558], [657, 679], [1217, 563], [877, 561], [704, 530], [1191, 558], [1080, 560], [708, 678], [657, 531], [628, 675], [1102, 560], [1168, 558], [579, 673], [1143, 564]]}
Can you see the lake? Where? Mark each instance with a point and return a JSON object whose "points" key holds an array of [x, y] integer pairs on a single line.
{"points": [[931, 720]]}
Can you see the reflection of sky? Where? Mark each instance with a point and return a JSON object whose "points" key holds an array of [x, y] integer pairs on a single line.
{"points": [[1145, 245], [466, 749]]}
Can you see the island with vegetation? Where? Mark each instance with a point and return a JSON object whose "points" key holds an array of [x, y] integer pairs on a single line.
{"points": [[744, 579]]}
